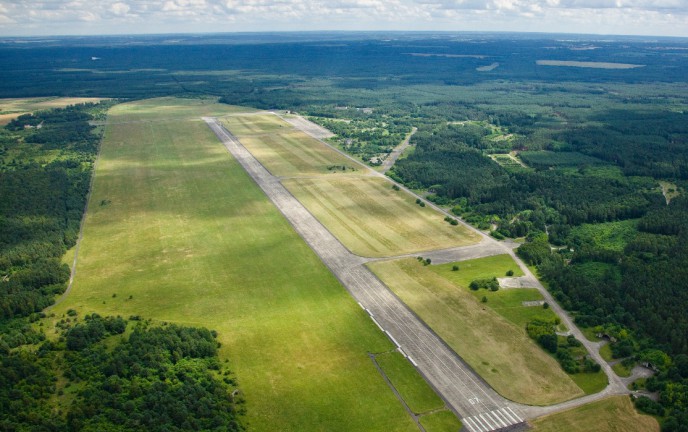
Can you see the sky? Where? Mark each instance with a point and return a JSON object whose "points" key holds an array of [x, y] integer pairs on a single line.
{"points": [[84, 17]]}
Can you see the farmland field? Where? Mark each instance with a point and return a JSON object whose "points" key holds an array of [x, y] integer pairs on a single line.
{"points": [[497, 349], [372, 219], [614, 414], [13, 108], [177, 232]]}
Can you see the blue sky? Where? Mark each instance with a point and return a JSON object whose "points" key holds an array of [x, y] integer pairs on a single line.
{"points": [[79, 17]]}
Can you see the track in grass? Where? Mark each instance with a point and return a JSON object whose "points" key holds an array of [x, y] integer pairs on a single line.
{"points": [[179, 233]]}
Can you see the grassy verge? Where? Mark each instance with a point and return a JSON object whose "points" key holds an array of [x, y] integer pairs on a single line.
{"points": [[622, 370], [417, 394], [496, 348], [590, 382], [440, 421], [181, 234], [372, 219], [614, 414]]}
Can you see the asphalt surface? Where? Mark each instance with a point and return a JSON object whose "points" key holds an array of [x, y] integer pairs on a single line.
{"points": [[480, 408]]}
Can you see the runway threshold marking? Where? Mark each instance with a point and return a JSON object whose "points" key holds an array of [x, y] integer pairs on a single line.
{"points": [[492, 420]]}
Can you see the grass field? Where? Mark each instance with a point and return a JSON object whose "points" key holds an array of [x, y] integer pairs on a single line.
{"points": [[285, 151], [440, 421], [373, 220], [614, 414], [13, 108], [499, 350], [506, 302], [417, 394], [180, 233]]}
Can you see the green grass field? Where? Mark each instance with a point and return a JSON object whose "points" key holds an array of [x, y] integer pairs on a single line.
{"points": [[13, 108], [180, 233], [614, 414], [417, 394], [285, 151], [499, 350], [506, 302], [440, 421], [373, 220]]}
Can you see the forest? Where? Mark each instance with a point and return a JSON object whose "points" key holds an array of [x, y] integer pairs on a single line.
{"points": [[164, 378], [567, 160]]}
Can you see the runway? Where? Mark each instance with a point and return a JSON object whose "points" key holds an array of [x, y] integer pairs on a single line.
{"points": [[480, 408]]}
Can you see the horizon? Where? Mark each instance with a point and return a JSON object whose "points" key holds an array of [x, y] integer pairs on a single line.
{"points": [[533, 34], [654, 18]]}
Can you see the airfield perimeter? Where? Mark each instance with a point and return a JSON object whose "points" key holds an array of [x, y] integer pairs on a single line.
{"points": [[479, 406]]}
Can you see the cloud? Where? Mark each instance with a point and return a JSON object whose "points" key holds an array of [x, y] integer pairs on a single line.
{"points": [[152, 16], [119, 9]]}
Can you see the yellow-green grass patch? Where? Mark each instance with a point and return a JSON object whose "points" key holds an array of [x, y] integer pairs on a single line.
{"points": [[417, 394], [670, 190], [509, 303], [285, 151], [371, 219], [606, 352], [440, 421], [181, 234], [621, 370], [590, 382], [614, 414], [496, 349], [173, 109], [13, 108]]}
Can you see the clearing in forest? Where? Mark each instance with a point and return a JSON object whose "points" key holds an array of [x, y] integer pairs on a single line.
{"points": [[177, 231], [614, 414], [494, 346], [583, 64], [13, 108], [372, 219]]}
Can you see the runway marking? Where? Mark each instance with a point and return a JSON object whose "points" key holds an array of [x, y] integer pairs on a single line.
{"points": [[492, 420], [393, 340], [515, 415], [377, 324], [412, 362]]}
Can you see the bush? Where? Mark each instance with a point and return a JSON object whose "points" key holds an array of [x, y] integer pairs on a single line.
{"points": [[455, 268], [510, 273], [648, 406]]}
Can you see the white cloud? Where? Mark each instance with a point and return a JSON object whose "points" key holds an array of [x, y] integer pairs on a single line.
{"points": [[151, 16]]}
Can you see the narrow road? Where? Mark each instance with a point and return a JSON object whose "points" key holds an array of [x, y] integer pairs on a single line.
{"points": [[480, 407], [398, 151]]}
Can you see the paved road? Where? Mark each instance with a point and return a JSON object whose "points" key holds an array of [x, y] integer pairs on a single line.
{"points": [[480, 407]]}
